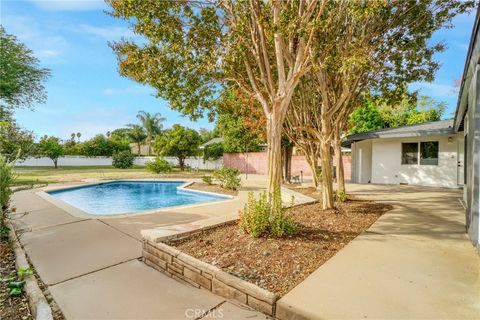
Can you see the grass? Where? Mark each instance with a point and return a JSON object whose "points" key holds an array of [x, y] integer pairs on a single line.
{"points": [[47, 175]]}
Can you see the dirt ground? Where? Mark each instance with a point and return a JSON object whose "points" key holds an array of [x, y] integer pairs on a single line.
{"points": [[211, 188], [280, 264]]}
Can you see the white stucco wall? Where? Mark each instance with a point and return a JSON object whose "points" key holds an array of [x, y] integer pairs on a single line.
{"points": [[387, 165], [362, 161], [82, 161]]}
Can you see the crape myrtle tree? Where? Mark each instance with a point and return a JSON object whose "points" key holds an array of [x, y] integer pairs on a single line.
{"points": [[371, 46], [193, 50]]}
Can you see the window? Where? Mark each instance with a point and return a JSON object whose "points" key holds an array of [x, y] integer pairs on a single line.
{"points": [[410, 153], [429, 153]]}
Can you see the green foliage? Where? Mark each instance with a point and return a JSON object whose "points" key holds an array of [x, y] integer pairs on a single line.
{"points": [[379, 112], [228, 178], [340, 196], [121, 135], [213, 151], [260, 217], [236, 137], [151, 125], [51, 147], [179, 142], [7, 178], [207, 179], [4, 231], [255, 217], [21, 78], [366, 118], [15, 281], [101, 146], [14, 141], [159, 165], [123, 159]]}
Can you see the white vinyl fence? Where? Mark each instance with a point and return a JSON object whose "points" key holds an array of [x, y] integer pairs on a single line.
{"points": [[82, 161]]}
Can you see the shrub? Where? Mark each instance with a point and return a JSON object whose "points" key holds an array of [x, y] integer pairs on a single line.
{"points": [[123, 159], [159, 165], [207, 179], [340, 196], [7, 177], [258, 217], [254, 218], [228, 178]]}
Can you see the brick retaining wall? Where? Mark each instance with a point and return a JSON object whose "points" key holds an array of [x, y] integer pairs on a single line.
{"points": [[181, 266]]}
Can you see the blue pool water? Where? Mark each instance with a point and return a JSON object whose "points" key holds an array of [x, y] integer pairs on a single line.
{"points": [[130, 196]]}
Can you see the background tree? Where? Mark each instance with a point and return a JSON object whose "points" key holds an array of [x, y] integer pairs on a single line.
{"points": [[377, 113], [137, 135], [101, 146], [152, 125], [51, 147], [14, 141], [21, 77], [179, 142]]}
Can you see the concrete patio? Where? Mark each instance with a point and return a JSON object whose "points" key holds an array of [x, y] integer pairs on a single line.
{"points": [[92, 267], [415, 262]]}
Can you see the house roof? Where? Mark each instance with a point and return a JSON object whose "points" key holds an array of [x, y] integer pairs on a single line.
{"points": [[212, 141], [436, 128], [473, 56]]}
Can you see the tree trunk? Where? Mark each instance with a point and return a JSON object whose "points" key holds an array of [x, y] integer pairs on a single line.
{"points": [[326, 155], [181, 163], [287, 163], [55, 163], [339, 160], [312, 162], [139, 146], [274, 155]]}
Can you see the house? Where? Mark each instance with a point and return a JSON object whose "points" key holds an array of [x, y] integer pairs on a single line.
{"points": [[440, 154]]}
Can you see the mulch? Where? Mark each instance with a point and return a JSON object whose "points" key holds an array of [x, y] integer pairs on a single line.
{"points": [[212, 188], [11, 308], [280, 264]]}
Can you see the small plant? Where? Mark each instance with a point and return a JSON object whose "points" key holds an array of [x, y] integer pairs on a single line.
{"points": [[7, 177], [340, 196], [207, 179], [4, 231], [123, 159], [254, 219], [16, 280], [260, 217], [159, 165], [228, 178]]}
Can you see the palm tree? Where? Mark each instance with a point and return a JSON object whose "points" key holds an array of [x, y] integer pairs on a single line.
{"points": [[152, 124], [78, 136], [137, 135]]}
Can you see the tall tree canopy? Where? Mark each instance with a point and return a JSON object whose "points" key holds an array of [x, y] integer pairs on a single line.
{"points": [[21, 77]]}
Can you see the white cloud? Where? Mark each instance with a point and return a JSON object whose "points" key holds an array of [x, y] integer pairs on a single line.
{"points": [[127, 91], [108, 33], [46, 47], [69, 5]]}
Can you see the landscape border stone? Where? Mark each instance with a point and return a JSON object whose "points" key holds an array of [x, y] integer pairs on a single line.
{"points": [[39, 306], [200, 274]]}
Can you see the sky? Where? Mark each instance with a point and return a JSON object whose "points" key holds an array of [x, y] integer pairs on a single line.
{"points": [[86, 94]]}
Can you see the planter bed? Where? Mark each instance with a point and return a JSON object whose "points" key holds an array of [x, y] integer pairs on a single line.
{"points": [[211, 188], [257, 271]]}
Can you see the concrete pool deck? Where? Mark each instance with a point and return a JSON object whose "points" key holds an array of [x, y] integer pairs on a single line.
{"points": [[91, 265], [414, 262]]}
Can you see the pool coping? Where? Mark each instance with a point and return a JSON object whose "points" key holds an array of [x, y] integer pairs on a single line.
{"points": [[79, 213]]}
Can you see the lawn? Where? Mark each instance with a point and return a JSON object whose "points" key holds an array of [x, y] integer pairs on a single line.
{"points": [[46, 175]]}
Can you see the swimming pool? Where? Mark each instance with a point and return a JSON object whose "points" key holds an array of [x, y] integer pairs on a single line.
{"points": [[120, 197]]}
